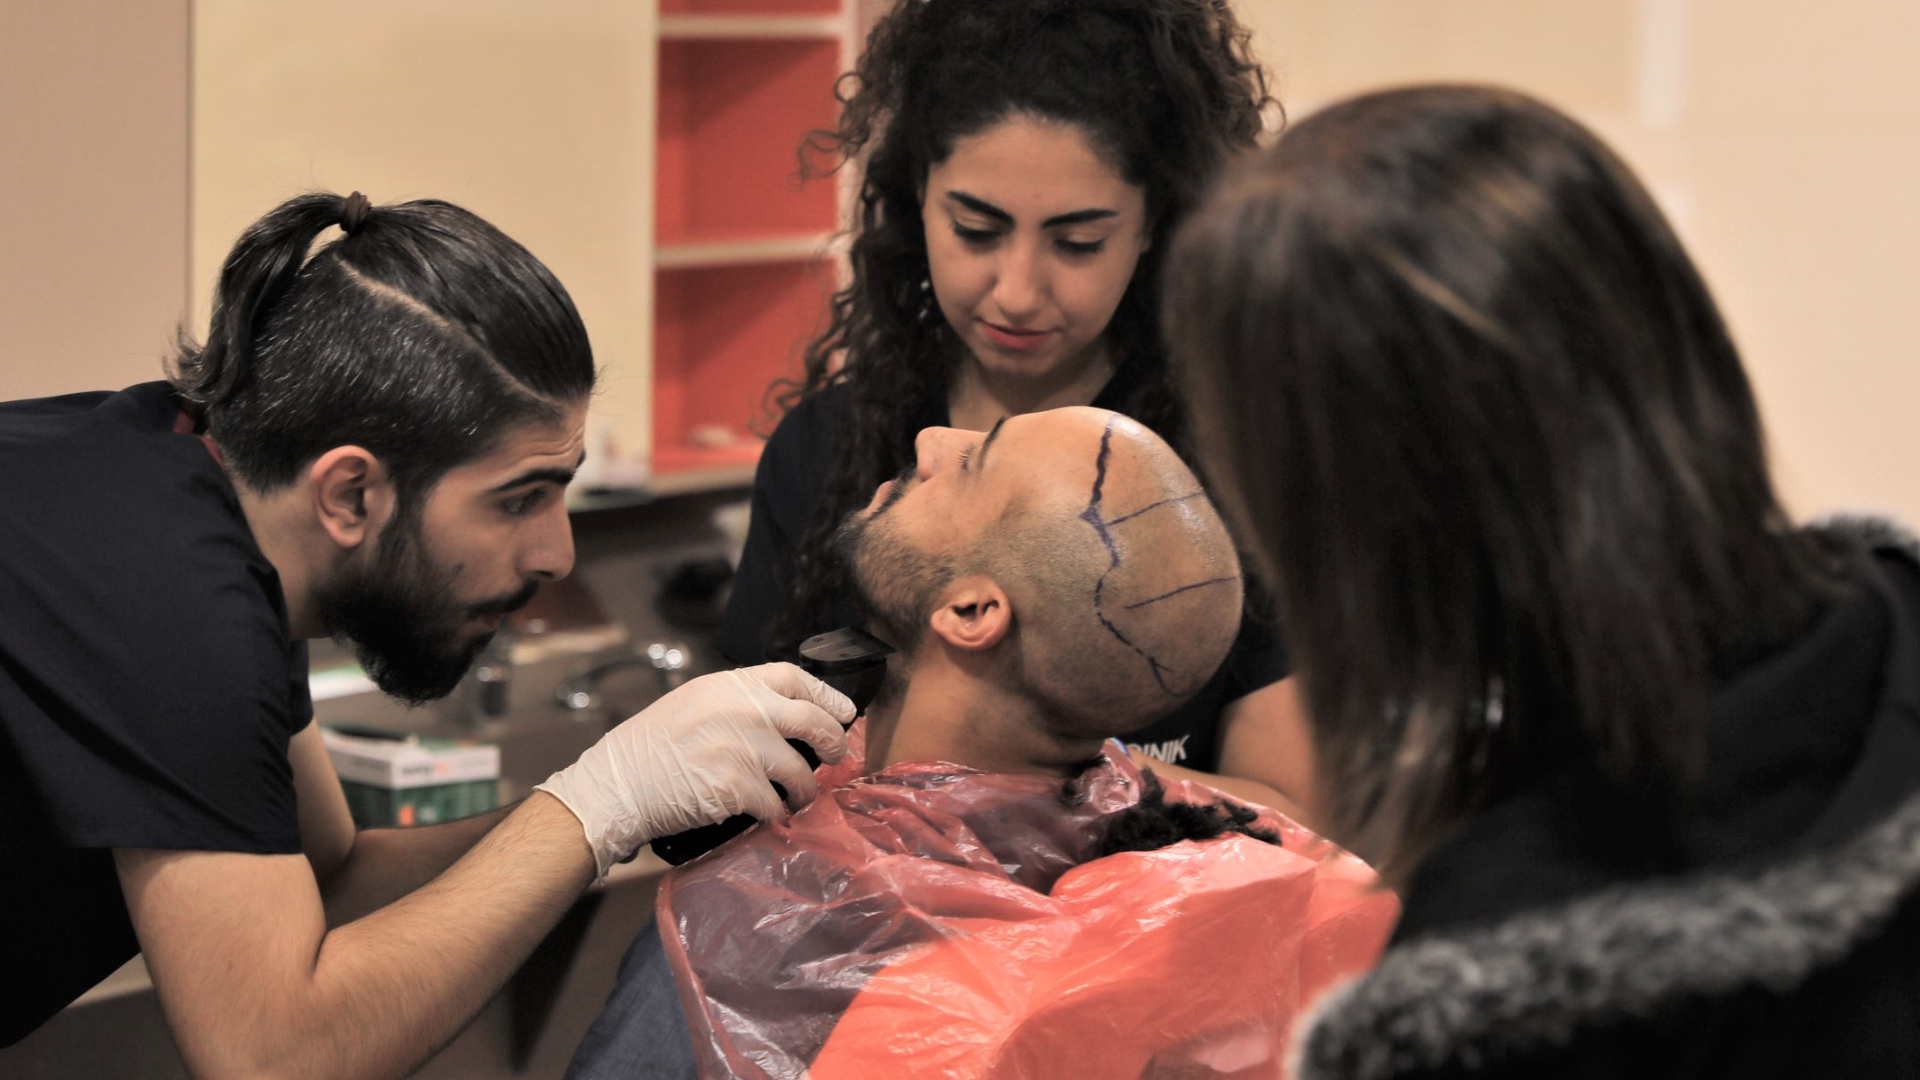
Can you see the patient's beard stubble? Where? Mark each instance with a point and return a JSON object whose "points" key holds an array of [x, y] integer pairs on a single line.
{"points": [[898, 584]]}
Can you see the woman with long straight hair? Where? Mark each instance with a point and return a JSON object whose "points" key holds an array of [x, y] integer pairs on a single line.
{"points": [[1639, 752]]}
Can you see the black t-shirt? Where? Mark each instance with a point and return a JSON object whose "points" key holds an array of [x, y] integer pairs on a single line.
{"points": [[148, 688], [787, 491]]}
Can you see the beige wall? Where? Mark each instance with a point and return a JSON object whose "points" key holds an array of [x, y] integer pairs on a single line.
{"points": [[535, 114], [1779, 134], [93, 191]]}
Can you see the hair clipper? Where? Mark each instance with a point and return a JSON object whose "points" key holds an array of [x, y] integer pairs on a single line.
{"points": [[851, 661]]}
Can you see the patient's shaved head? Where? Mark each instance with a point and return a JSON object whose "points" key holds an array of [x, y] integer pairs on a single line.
{"points": [[1122, 581]]}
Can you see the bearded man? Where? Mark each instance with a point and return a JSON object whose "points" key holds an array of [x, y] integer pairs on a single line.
{"points": [[373, 443]]}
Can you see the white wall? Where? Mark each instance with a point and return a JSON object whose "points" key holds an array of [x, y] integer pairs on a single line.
{"points": [[1780, 135]]}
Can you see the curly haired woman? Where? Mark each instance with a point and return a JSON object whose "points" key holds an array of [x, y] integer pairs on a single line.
{"points": [[1024, 164]]}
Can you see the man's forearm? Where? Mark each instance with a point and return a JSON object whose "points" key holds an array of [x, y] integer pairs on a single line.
{"points": [[254, 985], [402, 981], [387, 864]]}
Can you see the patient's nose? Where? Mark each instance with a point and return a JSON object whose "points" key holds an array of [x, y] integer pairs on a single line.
{"points": [[938, 448]]}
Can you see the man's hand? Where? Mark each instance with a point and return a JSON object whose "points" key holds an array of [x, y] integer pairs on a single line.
{"points": [[702, 754]]}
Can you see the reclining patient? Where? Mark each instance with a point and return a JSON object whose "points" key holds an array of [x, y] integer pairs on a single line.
{"points": [[993, 888]]}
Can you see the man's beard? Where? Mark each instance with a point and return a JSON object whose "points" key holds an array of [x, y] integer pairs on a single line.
{"points": [[897, 583], [399, 613]]}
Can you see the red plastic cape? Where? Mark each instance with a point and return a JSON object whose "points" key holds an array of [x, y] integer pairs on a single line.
{"points": [[935, 921]]}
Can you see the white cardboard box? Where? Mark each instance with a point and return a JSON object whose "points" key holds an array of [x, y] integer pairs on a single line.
{"points": [[410, 762]]}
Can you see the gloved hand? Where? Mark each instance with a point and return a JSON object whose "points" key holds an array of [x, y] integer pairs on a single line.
{"points": [[701, 754]]}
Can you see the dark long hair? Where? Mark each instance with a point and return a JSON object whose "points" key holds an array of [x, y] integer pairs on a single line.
{"points": [[1154, 822], [1478, 414], [422, 333], [1166, 89]]}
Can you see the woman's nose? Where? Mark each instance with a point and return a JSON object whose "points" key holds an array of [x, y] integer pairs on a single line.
{"points": [[1020, 289]]}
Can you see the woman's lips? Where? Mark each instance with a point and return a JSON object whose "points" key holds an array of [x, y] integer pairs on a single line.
{"points": [[1014, 339]]}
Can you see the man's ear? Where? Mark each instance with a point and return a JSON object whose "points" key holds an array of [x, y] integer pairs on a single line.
{"points": [[974, 613], [353, 495]]}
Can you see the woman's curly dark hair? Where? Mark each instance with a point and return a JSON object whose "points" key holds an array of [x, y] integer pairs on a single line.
{"points": [[1167, 90]]}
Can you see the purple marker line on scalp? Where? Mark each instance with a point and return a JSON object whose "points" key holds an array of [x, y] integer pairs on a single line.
{"points": [[1178, 591], [1103, 528]]}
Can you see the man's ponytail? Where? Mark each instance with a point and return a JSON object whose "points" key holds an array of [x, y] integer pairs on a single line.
{"points": [[257, 273], [420, 333]]}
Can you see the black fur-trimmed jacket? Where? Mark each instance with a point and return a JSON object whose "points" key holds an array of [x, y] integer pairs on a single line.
{"points": [[1790, 946]]}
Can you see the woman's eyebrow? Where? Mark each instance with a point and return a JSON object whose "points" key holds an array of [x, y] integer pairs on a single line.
{"points": [[980, 206], [1077, 217]]}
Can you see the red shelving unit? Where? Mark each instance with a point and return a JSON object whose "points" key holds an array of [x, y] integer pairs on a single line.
{"points": [[722, 335], [732, 114], [743, 269]]}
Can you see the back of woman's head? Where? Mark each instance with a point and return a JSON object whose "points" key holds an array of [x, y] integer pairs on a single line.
{"points": [[1479, 414], [422, 333]]}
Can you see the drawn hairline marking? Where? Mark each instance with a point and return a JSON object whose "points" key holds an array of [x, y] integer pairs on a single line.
{"points": [[1176, 592], [1103, 527]]}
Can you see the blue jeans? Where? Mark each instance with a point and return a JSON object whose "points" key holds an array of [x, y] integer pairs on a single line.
{"points": [[641, 1033]]}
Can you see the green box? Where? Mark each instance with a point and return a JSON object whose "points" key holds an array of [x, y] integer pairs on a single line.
{"points": [[399, 780], [378, 807]]}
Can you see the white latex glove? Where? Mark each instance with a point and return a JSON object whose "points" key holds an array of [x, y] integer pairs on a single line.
{"points": [[701, 754]]}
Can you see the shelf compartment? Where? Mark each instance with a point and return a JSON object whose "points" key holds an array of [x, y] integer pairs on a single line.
{"points": [[722, 335], [732, 114], [776, 27], [803, 247], [689, 476], [749, 8]]}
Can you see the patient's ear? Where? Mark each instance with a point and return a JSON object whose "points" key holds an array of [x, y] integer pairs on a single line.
{"points": [[973, 614], [352, 493]]}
